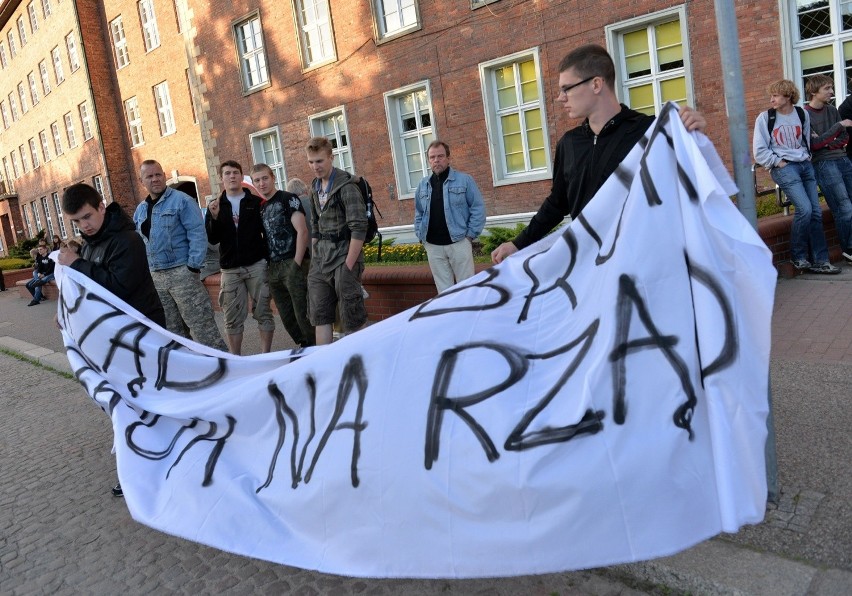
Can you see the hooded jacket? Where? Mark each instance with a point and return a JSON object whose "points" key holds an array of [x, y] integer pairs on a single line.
{"points": [[115, 258], [584, 161]]}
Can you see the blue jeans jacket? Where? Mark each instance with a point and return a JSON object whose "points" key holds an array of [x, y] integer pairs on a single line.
{"points": [[463, 207], [177, 231]]}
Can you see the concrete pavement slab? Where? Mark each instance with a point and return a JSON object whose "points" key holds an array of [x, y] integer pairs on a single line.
{"points": [[61, 532]]}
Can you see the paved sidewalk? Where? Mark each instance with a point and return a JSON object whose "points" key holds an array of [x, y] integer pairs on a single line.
{"points": [[61, 532]]}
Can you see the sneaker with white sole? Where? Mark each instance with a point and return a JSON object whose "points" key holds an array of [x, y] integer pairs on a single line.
{"points": [[826, 268], [802, 264]]}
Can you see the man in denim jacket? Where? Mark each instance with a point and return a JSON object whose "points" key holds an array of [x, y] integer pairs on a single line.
{"points": [[449, 215], [171, 225]]}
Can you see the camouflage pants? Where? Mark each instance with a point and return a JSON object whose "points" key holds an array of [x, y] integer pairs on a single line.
{"points": [[188, 306]]}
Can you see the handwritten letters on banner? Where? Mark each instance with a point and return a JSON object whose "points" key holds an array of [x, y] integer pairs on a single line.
{"points": [[598, 398]]}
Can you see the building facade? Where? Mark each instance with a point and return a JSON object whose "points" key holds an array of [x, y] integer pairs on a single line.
{"points": [[195, 83], [69, 79]]}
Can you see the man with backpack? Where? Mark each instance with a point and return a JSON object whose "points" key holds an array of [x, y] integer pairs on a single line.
{"points": [[338, 230], [289, 260], [449, 215], [781, 144]]}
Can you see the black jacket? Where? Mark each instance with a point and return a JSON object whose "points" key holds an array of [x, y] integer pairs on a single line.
{"points": [[239, 246], [115, 258], [44, 264], [583, 163]]}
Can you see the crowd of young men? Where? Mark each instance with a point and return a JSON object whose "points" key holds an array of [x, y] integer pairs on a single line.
{"points": [[307, 255]]}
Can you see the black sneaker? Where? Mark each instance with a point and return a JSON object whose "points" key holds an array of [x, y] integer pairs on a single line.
{"points": [[802, 264], [847, 256], [116, 490], [33, 302]]}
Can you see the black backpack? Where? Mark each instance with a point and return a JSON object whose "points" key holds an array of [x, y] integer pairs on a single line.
{"points": [[370, 206]]}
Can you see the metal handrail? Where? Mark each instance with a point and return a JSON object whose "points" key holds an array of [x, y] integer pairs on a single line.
{"points": [[780, 197]]}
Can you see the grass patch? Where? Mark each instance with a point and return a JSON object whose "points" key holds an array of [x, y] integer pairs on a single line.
{"points": [[34, 362]]}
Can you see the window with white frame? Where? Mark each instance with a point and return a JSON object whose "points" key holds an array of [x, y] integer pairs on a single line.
{"points": [[395, 17], [69, 130], [47, 216], [13, 48], [13, 105], [31, 11], [191, 100], [57, 140], [411, 129], [6, 169], [27, 220], [36, 216], [45, 145], [4, 59], [163, 101], [332, 125], [651, 60], [73, 55], [16, 168], [134, 121], [57, 65], [5, 111], [22, 95], [45, 79], [821, 32], [98, 185], [22, 31], [178, 16], [34, 153], [515, 116], [25, 160], [148, 20], [480, 3], [119, 43], [85, 121], [45, 8], [33, 88], [63, 231], [266, 148], [249, 40], [315, 33]]}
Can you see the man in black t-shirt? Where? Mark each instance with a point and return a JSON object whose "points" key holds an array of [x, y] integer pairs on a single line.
{"points": [[287, 238]]}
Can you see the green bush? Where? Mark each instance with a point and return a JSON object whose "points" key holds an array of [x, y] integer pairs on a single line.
{"points": [[11, 264], [22, 249], [497, 236], [767, 205]]}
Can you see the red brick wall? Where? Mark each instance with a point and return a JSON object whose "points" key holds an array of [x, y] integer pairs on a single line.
{"points": [[446, 51], [74, 165], [181, 150]]}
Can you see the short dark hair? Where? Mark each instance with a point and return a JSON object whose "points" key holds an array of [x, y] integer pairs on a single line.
{"points": [[815, 83], [319, 144], [437, 143], [588, 61], [230, 164], [78, 196]]}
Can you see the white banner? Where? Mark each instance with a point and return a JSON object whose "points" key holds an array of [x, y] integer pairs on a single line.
{"points": [[598, 398]]}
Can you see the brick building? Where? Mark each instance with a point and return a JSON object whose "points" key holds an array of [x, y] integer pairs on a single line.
{"points": [[380, 77], [71, 74]]}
